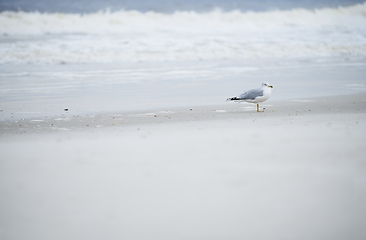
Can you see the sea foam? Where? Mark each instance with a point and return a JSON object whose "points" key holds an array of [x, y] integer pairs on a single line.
{"points": [[124, 22], [105, 36]]}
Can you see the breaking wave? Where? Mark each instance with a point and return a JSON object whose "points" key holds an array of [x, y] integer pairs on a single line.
{"points": [[122, 22], [108, 36]]}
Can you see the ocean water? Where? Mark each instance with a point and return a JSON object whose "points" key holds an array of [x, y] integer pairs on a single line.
{"points": [[98, 56], [135, 36], [166, 6]]}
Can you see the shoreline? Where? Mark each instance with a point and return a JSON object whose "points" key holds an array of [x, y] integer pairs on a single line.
{"points": [[345, 104], [33, 93]]}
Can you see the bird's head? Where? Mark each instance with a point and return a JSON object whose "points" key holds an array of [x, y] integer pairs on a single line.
{"points": [[265, 84]]}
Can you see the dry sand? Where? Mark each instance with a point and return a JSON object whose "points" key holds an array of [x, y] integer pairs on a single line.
{"points": [[296, 171]]}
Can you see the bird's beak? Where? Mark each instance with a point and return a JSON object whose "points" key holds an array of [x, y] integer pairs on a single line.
{"points": [[270, 86]]}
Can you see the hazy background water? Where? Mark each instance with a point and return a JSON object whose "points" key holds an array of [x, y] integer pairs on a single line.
{"points": [[166, 6]]}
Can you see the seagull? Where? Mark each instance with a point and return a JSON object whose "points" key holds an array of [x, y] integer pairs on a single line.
{"points": [[254, 95]]}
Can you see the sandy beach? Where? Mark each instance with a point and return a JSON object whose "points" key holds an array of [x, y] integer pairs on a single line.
{"points": [[295, 171]]}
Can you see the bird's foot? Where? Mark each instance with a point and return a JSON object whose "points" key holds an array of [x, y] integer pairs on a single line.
{"points": [[258, 109]]}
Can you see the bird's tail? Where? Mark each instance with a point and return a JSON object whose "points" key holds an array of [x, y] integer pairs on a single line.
{"points": [[232, 99]]}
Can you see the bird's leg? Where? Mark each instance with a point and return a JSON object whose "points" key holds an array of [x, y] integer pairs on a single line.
{"points": [[258, 108]]}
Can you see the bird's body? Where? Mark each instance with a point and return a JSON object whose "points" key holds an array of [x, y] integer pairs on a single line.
{"points": [[254, 95]]}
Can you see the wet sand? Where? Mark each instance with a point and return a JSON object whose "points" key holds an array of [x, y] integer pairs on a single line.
{"points": [[296, 110], [295, 171]]}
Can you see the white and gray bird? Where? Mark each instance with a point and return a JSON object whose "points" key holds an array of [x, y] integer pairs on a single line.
{"points": [[254, 95]]}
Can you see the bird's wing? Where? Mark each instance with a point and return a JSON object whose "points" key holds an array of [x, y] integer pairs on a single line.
{"points": [[252, 94]]}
